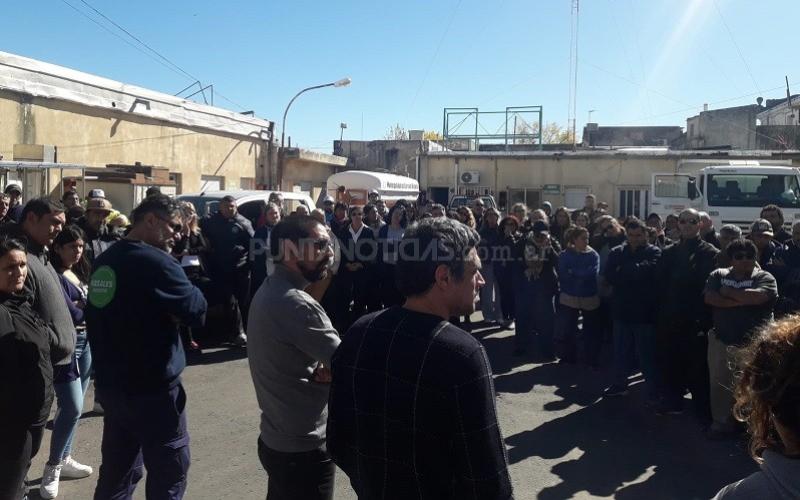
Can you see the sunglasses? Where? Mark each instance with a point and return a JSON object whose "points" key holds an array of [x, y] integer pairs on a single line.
{"points": [[693, 222], [176, 228], [322, 244], [744, 256]]}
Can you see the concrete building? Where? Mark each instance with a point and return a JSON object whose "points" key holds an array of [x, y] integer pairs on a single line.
{"points": [[95, 121], [726, 128], [307, 172], [780, 112], [393, 156], [620, 177], [595, 135]]}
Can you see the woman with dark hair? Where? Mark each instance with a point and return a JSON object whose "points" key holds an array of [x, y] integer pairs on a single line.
{"points": [[389, 237], [69, 381], [561, 223], [505, 267], [26, 373], [581, 220], [767, 397], [660, 238]]}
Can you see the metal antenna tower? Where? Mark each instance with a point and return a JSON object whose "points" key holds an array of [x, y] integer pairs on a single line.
{"points": [[572, 112]]}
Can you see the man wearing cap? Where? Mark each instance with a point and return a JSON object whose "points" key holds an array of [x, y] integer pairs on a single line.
{"points": [[14, 192], [761, 234], [93, 223], [327, 206], [742, 297]]}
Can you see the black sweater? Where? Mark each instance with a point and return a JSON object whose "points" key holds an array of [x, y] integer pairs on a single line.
{"points": [[138, 296]]}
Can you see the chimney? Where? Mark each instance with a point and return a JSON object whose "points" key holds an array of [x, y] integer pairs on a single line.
{"points": [[705, 107]]}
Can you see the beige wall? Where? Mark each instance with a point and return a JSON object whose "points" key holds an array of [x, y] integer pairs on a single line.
{"points": [[304, 172], [96, 137], [602, 176]]}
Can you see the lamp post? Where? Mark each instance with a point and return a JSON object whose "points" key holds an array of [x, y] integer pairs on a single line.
{"points": [[344, 82]]}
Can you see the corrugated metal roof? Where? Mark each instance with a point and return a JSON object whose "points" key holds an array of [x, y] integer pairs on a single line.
{"points": [[40, 79]]}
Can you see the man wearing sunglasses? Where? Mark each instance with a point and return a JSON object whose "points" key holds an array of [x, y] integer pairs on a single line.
{"points": [[138, 297], [742, 297], [683, 319]]}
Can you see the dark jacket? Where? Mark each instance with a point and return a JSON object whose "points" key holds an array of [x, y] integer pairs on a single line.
{"points": [[712, 237], [490, 237], [96, 242], [43, 287], [26, 372], [782, 236], [631, 274], [681, 277], [364, 251], [138, 298], [195, 244], [258, 257], [507, 253], [229, 240], [536, 266]]}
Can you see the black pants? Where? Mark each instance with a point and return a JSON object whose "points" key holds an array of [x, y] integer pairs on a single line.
{"points": [[17, 447], [297, 476], [683, 363], [505, 280]]}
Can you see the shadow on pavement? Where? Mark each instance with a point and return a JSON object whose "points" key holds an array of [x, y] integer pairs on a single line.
{"points": [[625, 449]]}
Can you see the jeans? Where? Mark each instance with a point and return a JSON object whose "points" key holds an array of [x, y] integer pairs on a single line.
{"points": [[306, 475], [69, 396], [535, 314], [640, 340], [490, 295], [19, 446], [144, 430], [567, 333]]}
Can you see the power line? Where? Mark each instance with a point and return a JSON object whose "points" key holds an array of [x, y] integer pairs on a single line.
{"points": [[160, 58], [435, 55], [105, 28], [741, 56], [151, 49]]}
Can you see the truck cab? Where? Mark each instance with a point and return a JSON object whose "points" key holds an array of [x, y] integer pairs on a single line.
{"points": [[732, 193]]}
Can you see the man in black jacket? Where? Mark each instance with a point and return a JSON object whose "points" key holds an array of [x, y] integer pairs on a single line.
{"points": [[684, 318], [630, 270], [229, 235], [412, 404], [352, 282]]}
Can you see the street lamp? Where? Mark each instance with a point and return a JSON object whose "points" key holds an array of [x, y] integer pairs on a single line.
{"points": [[344, 82]]}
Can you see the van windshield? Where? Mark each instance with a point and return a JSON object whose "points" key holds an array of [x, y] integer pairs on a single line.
{"points": [[753, 190]]}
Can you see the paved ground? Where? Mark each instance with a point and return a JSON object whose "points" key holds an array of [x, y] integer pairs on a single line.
{"points": [[563, 441]]}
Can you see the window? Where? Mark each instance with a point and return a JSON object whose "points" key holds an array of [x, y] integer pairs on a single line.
{"points": [[753, 190], [212, 183], [247, 182], [634, 201], [530, 197], [672, 186]]}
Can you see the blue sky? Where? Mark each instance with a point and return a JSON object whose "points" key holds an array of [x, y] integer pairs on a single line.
{"points": [[643, 62]]}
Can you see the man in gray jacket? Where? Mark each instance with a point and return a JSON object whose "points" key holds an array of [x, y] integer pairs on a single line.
{"points": [[40, 222], [291, 341]]}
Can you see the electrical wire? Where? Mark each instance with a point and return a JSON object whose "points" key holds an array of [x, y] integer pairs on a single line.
{"points": [[738, 50]]}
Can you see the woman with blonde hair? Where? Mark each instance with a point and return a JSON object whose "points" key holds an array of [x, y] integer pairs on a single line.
{"points": [[191, 251], [465, 216], [768, 399]]}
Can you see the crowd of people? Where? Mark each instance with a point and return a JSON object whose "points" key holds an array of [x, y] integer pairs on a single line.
{"points": [[363, 312]]}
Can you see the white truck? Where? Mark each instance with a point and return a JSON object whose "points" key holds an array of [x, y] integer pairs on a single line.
{"points": [[732, 192], [353, 187]]}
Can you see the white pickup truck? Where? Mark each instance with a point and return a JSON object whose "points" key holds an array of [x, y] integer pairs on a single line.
{"points": [[732, 192]]}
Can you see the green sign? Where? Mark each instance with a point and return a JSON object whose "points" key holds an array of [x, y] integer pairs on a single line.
{"points": [[552, 188], [102, 287]]}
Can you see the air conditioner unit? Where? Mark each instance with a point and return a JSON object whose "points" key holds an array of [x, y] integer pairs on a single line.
{"points": [[470, 177]]}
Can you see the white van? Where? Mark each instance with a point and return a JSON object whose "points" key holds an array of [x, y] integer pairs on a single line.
{"points": [[353, 187], [732, 192], [250, 203]]}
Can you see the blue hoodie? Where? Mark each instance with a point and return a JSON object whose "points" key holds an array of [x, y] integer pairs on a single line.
{"points": [[577, 272]]}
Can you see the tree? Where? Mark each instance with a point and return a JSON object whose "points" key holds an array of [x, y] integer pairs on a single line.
{"points": [[396, 133], [432, 135], [553, 133]]}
